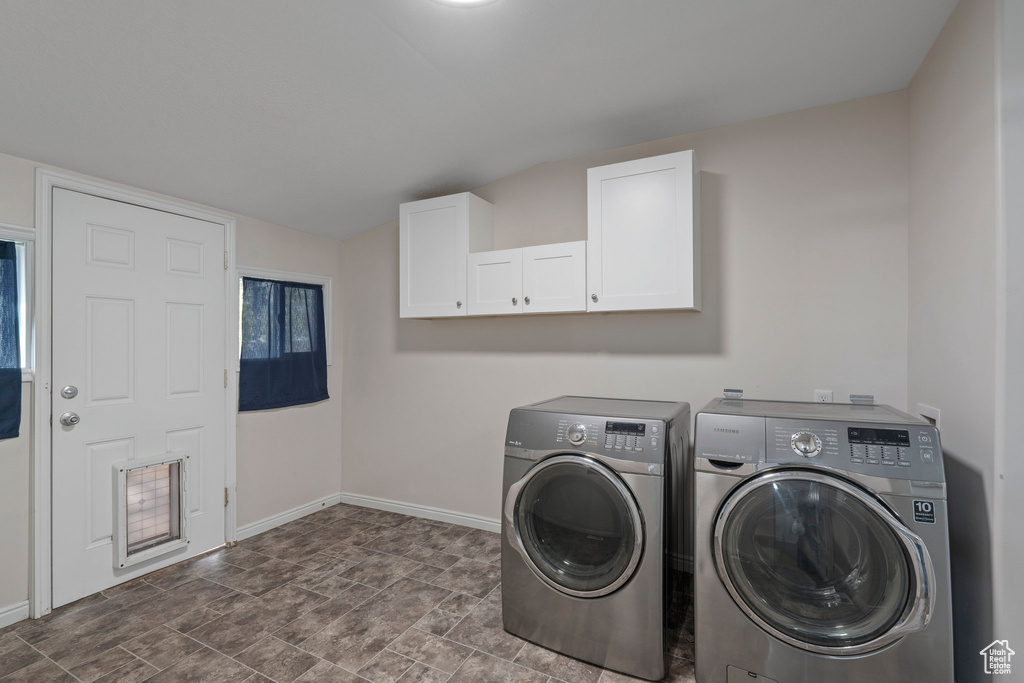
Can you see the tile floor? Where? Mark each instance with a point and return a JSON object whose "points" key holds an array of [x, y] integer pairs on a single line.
{"points": [[345, 595]]}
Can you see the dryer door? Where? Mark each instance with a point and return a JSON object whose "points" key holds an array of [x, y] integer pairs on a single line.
{"points": [[576, 524], [821, 564]]}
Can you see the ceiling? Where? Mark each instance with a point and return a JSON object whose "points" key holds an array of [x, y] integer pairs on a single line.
{"points": [[324, 115]]}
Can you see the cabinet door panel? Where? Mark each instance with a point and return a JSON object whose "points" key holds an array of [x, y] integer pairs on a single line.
{"points": [[555, 278], [643, 226], [496, 282], [432, 268]]}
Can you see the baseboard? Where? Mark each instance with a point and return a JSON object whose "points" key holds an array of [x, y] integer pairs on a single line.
{"points": [[436, 514], [269, 523], [12, 614]]}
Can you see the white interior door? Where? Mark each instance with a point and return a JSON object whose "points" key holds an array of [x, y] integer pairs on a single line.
{"points": [[139, 304]]}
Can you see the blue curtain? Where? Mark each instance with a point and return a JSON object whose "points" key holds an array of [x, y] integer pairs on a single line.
{"points": [[10, 356], [284, 350]]}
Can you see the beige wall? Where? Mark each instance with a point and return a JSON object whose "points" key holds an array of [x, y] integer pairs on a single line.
{"points": [[952, 290], [286, 458], [291, 457], [1009, 503], [805, 287], [14, 508]]}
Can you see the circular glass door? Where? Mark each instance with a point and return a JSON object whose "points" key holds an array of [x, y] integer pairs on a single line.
{"points": [[578, 526], [817, 562]]}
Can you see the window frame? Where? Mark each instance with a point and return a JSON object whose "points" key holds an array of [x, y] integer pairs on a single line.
{"points": [[325, 282], [26, 237]]}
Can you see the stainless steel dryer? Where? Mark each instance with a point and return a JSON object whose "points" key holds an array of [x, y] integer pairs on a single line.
{"points": [[587, 526], [822, 550]]}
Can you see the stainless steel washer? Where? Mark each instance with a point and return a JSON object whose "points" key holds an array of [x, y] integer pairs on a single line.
{"points": [[821, 545], [588, 527]]}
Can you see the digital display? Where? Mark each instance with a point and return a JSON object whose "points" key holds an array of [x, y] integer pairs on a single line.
{"points": [[882, 437], [630, 428]]}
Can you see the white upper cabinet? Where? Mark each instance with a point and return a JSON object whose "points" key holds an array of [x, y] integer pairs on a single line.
{"points": [[643, 234], [496, 282], [551, 278], [555, 278], [435, 236]]}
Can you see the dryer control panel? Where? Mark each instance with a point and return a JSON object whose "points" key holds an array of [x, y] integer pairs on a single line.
{"points": [[881, 450], [636, 440]]}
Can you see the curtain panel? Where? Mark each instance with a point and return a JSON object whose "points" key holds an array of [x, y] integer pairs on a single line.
{"points": [[10, 356], [284, 351]]}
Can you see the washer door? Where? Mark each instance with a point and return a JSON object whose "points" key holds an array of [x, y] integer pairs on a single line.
{"points": [[576, 525], [821, 564]]}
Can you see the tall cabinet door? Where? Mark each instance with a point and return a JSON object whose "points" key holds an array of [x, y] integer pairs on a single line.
{"points": [[643, 232], [496, 282], [435, 236], [555, 278]]}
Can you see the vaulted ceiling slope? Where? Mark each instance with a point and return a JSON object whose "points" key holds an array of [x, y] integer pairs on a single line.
{"points": [[323, 115]]}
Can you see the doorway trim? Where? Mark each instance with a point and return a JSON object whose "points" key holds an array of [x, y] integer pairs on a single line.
{"points": [[40, 532]]}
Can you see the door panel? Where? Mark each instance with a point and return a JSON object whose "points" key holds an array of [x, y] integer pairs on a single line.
{"points": [[818, 562], [578, 526], [139, 303]]}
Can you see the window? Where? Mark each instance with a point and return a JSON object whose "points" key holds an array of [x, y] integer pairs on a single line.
{"points": [[283, 344], [24, 242]]}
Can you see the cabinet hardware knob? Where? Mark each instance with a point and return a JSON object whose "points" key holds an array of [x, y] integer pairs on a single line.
{"points": [[526, 300], [593, 297], [515, 301], [458, 304]]}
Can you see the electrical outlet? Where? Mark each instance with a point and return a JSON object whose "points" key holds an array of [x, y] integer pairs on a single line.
{"points": [[822, 395]]}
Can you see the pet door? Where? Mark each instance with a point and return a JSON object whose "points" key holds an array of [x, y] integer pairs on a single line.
{"points": [[151, 511]]}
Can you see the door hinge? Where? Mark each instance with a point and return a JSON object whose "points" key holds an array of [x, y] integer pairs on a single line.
{"points": [[225, 379], [225, 496], [225, 260]]}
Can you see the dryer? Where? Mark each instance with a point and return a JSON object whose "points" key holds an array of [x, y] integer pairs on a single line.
{"points": [[588, 527], [821, 545]]}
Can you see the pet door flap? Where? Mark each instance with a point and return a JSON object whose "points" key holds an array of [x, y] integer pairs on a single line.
{"points": [[150, 507]]}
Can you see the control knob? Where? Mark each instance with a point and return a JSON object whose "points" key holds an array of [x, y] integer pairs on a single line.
{"points": [[577, 433], [806, 444]]}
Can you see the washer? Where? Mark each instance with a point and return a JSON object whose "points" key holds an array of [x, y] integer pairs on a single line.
{"points": [[822, 548], [587, 527]]}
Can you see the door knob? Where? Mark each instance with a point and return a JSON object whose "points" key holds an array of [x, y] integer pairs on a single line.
{"points": [[70, 419], [69, 391]]}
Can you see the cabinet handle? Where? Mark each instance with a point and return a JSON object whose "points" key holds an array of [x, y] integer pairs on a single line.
{"points": [[526, 300], [515, 301], [458, 304], [593, 297]]}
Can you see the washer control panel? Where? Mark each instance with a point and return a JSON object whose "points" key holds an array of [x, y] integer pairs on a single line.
{"points": [[883, 450]]}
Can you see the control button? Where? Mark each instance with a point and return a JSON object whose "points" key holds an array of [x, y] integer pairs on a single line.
{"points": [[891, 463], [654, 442], [806, 444], [638, 449], [654, 429], [577, 434], [873, 461], [927, 455], [924, 438], [904, 463], [857, 460]]}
